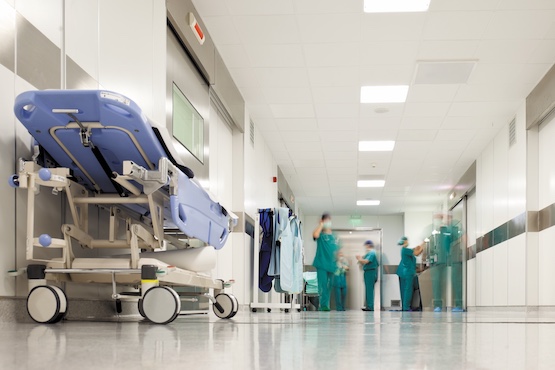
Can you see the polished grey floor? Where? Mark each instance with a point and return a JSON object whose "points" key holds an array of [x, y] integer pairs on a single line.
{"points": [[312, 340]]}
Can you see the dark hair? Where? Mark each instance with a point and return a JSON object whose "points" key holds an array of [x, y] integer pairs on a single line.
{"points": [[325, 215]]}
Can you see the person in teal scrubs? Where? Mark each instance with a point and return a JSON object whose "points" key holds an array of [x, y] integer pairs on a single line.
{"points": [[407, 271], [325, 259], [370, 266], [340, 281]]}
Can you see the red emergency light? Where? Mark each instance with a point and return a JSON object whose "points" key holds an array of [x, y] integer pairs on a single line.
{"points": [[197, 30]]}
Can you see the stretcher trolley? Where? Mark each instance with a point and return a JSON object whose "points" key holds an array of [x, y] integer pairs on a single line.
{"points": [[99, 149]]}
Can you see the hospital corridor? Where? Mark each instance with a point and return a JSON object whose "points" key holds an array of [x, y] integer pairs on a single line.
{"points": [[277, 184]]}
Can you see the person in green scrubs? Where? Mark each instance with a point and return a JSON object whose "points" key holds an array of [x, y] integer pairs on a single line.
{"points": [[407, 271], [340, 281], [325, 259], [370, 266]]}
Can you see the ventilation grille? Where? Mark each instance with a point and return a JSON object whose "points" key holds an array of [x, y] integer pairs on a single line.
{"points": [[395, 303], [512, 133], [252, 133]]}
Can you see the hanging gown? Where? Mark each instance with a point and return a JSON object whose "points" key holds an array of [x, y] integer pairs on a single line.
{"points": [[291, 258], [266, 242], [281, 222]]}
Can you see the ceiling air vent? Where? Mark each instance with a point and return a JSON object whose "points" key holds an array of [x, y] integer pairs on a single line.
{"points": [[252, 133], [512, 132]]}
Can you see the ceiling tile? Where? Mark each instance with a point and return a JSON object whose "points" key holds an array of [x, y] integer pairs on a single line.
{"points": [[379, 122], [416, 135], [447, 50], [257, 7], [508, 73], [295, 124], [388, 52], [265, 124], [316, 28], [333, 76], [304, 147], [476, 123], [339, 135], [336, 94], [431, 93], [519, 24], [267, 29], [386, 75], [426, 109], [328, 6], [279, 56], [338, 111], [281, 77], [493, 92], [334, 123], [527, 4], [448, 135], [332, 54], [421, 122], [292, 110], [312, 154], [483, 109], [299, 136], [463, 5], [287, 95], [459, 25], [376, 135], [348, 156], [543, 53], [505, 51], [300, 163]]}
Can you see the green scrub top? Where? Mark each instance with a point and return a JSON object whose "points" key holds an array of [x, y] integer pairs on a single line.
{"points": [[326, 247], [372, 261], [407, 266]]}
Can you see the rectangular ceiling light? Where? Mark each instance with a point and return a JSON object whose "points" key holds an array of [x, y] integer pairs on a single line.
{"points": [[395, 6], [376, 146], [371, 183], [368, 202], [383, 94]]}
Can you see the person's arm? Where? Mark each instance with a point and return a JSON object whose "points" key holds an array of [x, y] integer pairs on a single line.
{"points": [[318, 230], [362, 261], [418, 250]]}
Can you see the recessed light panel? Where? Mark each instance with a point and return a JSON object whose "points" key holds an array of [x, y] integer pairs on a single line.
{"points": [[396, 6], [384, 94], [371, 183], [368, 202], [376, 146]]}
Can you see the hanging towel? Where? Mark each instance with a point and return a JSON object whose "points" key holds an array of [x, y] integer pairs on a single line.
{"points": [[266, 242]]}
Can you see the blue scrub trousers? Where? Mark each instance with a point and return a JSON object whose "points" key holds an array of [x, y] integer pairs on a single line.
{"points": [[324, 286], [370, 278], [340, 287], [407, 287]]}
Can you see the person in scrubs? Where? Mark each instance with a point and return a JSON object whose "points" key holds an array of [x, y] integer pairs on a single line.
{"points": [[407, 271], [325, 259], [340, 281], [370, 266]]}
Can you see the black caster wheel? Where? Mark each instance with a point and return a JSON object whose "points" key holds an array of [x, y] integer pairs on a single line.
{"points": [[141, 312], [119, 309], [286, 310], [228, 305], [299, 310], [269, 310], [253, 310]]}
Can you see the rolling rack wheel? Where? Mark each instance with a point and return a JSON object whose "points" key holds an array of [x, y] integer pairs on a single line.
{"points": [[268, 310], [225, 306], [47, 304], [286, 310], [253, 310], [160, 305]]}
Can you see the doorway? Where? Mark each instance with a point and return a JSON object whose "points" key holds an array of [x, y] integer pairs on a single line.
{"points": [[352, 244]]}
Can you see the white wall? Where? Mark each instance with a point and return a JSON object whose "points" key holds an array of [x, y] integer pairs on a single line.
{"points": [[496, 277]]}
